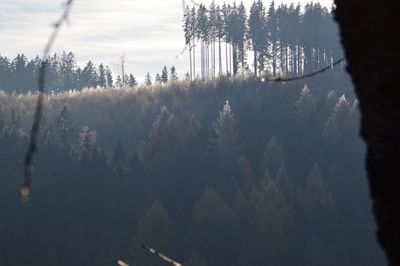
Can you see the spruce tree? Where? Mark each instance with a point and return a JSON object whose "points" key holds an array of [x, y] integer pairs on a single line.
{"points": [[158, 79], [164, 75], [109, 78], [155, 227], [174, 75], [256, 31], [188, 31], [102, 76], [148, 81], [272, 31], [226, 141], [132, 81]]}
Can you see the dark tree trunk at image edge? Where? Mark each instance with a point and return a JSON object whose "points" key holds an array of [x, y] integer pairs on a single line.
{"points": [[368, 32]]}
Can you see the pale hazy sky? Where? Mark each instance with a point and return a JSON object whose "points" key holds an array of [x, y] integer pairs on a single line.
{"points": [[148, 32]]}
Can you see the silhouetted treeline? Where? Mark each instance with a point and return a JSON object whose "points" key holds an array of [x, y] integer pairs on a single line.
{"points": [[283, 39], [217, 173], [21, 74]]}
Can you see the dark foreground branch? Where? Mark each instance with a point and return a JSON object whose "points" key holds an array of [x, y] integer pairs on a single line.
{"points": [[161, 256], [25, 189], [320, 71]]}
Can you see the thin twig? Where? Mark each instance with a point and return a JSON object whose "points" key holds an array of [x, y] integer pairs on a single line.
{"points": [[307, 75], [25, 189], [161, 256]]}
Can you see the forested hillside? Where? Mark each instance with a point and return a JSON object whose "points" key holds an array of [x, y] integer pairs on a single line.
{"points": [[224, 172], [220, 166]]}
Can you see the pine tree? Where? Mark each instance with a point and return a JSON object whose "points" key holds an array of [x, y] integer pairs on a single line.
{"points": [[275, 219], [19, 65], [211, 211], [102, 76], [272, 31], [148, 81], [193, 23], [118, 159], [164, 75], [159, 125], [132, 81], [109, 78], [64, 131], [219, 24], [87, 144], [68, 65], [13, 126], [339, 121], [163, 143], [306, 106], [273, 157], [158, 79], [119, 82], [285, 183], [226, 14], [89, 77], [155, 227], [241, 36], [212, 28], [187, 76], [174, 75], [214, 223], [226, 141], [189, 32], [5, 74], [257, 21], [202, 34], [317, 194]]}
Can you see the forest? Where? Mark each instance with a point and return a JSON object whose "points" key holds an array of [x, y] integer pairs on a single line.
{"points": [[221, 167], [283, 40], [62, 74], [220, 172]]}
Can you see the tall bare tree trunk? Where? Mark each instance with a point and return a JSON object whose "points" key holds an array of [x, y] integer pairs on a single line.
{"points": [[207, 65], [255, 64], [220, 56], [190, 62], [231, 58], [214, 65], [234, 59], [299, 60], [194, 60], [226, 58], [201, 59], [242, 51], [368, 31]]}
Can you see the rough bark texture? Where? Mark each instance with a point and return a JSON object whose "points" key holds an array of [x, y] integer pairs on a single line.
{"points": [[368, 31]]}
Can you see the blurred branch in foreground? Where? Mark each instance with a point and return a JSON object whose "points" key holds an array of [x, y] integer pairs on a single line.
{"points": [[25, 189], [161, 256]]}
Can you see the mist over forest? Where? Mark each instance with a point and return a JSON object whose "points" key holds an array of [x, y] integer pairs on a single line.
{"points": [[226, 165]]}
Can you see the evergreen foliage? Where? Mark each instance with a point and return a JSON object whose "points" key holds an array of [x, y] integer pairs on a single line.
{"points": [[20, 75], [285, 39], [225, 172]]}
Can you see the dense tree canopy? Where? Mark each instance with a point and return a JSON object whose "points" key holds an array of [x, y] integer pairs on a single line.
{"points": [[227, 172], [284, 39]]}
